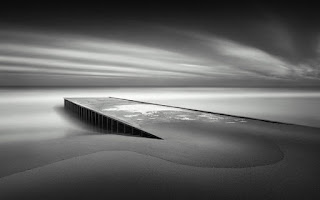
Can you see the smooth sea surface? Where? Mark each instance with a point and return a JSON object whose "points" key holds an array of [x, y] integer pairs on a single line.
{"points": [[35, 114]]}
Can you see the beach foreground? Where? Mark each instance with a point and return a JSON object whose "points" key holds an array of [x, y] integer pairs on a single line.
{"points": [[247, 159]]}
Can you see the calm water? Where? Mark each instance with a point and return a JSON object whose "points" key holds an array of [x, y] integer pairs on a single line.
{"points": [[32, 114]]}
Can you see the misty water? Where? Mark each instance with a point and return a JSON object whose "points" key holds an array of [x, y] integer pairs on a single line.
{"points": [[35, 114]]}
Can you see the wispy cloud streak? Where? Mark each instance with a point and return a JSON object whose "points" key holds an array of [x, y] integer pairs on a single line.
{"points": [[224, 60]]}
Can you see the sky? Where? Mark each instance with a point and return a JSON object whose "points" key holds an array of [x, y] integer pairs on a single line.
{"points": [[158, 44]]}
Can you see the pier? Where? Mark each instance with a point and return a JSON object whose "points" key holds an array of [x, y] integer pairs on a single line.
{"points": [[86, 110]]}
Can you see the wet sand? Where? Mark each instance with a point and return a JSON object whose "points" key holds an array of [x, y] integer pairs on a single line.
{"points": [[104, 166], [252, 160]]}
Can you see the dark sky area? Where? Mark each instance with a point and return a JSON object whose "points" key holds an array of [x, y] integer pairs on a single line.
{"points": [[160, 44]]}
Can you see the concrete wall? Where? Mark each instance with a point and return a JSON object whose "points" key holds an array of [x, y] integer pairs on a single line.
{"points": [[104, 123]]}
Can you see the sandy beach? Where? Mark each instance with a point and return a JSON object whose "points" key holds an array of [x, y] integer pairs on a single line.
{"points": [[220, 160]]}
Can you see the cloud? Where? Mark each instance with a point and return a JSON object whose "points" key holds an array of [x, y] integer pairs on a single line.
{"points": [[245, 58], [104, 58], [208, 60]]}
